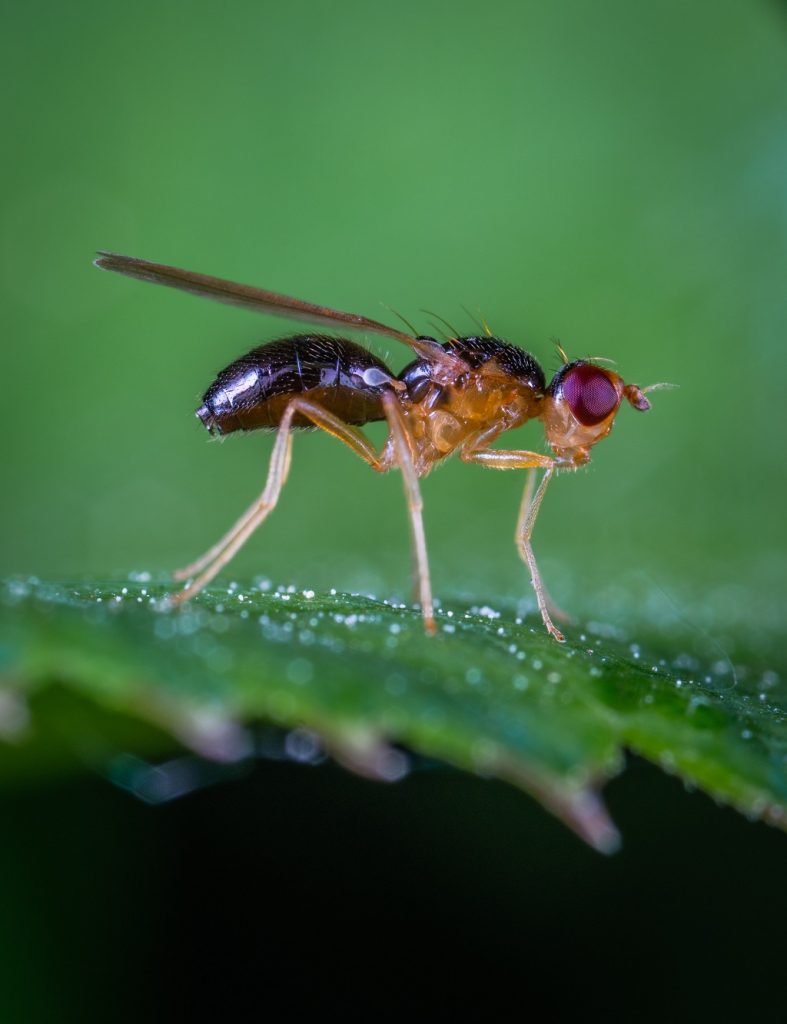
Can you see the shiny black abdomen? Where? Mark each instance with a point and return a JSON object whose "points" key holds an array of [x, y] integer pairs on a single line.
{"points": [[254, 391], [476, 351]]}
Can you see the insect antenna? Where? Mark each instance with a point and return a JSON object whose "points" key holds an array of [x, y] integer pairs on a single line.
{"points": [[661, 386]]}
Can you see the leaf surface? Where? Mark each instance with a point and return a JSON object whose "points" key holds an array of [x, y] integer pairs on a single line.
{"points": [[102, 672]]}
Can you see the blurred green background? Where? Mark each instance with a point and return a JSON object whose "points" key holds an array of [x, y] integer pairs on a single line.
{"points": [[609, 173]]}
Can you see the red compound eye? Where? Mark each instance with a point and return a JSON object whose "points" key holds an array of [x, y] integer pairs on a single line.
{"points": [[590, 394]]}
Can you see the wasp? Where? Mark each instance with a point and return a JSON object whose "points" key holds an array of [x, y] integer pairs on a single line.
{"points": [[455, 396]]}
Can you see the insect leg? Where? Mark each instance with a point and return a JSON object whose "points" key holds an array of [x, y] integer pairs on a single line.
{"points": [[404, 458], [524, 533], [499, 459], [353, 438], [217, 557], [554, 610]]}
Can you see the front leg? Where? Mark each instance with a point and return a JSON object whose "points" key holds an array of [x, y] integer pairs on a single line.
{"points": [[555, 611], [501, 459]]}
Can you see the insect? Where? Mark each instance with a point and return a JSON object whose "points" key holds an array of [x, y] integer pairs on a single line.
{"points": [[456, 396]]}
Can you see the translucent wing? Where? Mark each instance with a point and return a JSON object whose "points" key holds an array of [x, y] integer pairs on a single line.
{"points": [[248, 297]]}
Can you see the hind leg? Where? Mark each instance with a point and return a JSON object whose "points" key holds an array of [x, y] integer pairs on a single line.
{"points": [[210, 564]]}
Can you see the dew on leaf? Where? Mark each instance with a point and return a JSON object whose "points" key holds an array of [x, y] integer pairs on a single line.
{"points": [[391, 765], [303, 746], [441, 696], [396, 684]]}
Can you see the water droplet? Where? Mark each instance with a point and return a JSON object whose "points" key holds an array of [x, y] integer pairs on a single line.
{"points": [[303, 746], [165, 628], [391, 765], [396, 684], [300, 671]]}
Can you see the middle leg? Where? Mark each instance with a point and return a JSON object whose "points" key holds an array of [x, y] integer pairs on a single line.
{"points": [[403, 454]]}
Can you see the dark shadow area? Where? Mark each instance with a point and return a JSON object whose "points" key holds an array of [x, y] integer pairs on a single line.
{"points": [[314, 890]]}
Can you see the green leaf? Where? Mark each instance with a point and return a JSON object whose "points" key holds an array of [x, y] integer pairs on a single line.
{"points": [[103, 674]]}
